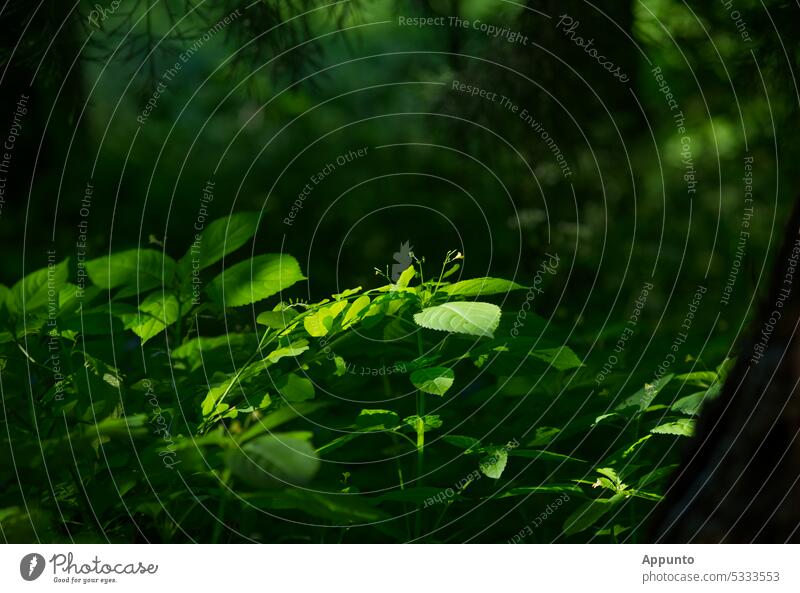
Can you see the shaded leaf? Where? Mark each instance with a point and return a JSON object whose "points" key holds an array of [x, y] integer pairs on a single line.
{"points": [[219, 238], [32, 291], [590, 513], [645, 396], [434, 380], [295, 388], [138, 269], [562, 359], [543, 489], [273, 461], [276, 319]]}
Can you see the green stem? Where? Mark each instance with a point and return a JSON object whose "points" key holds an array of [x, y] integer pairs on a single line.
{"points": [[223, 503], [420, 442], [447, 506], [178, 323], [420, 436], [235, 379]]}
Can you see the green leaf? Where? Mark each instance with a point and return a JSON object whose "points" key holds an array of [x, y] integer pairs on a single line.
{"points": [[276, 319], [542, 455], [377, 419], [610, 479], [724, 369], [254, 280], [219, 238], [562, 359], [156, 313], [590, 513], [71, 298], [543, 436], [295, 388], [416, 495], [691, 404], [698, 378], [31, 293], [657, 475], [347, 293], [279, 417], [138, 269], [198, 351], [355, 310], [213, 397], [463, 442], [339, 442], [336, 508], [435, 380], [274, 461], [453, 269], [645, 396], [472, 318], [544, 489], [406, 277], [429, 422], [320, 322], [293, 349], [480, 286], [683, 427], [494, 462]]}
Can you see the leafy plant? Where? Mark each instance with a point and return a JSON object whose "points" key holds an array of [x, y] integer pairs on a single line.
{"points": [[158, 404]]}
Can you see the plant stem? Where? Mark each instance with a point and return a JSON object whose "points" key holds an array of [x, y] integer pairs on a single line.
{"points": [[420, 442], [178, 322], [223, 503], [420, 436], [420, 422]]}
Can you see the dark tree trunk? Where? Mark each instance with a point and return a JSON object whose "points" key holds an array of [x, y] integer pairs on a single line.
{"points": [[740, 481]]}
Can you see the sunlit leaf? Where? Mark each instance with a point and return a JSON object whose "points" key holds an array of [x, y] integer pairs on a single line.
{"points": [[293, 349], [377, 419], [494, 462], [683, 427], [480, 286], [477, 319], [254, 280], [156, 313], [320, 322]]}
